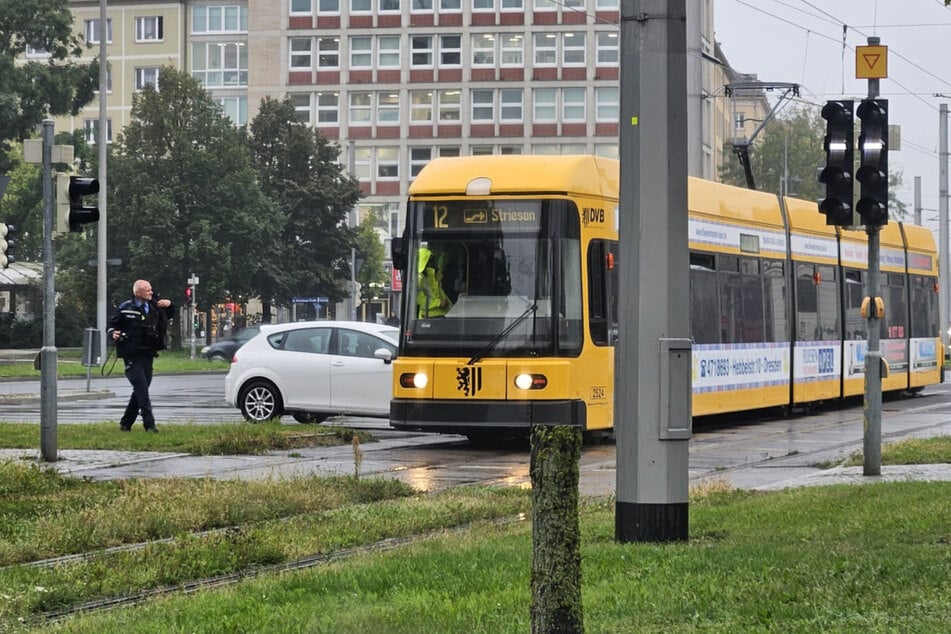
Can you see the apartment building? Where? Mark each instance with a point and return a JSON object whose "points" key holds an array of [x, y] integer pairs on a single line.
{"points": [[399, 82]]}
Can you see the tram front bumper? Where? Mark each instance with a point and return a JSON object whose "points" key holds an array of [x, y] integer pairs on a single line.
{"points": [[463, 417]]}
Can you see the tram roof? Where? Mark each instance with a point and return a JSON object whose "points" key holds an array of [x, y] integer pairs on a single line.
{"points": [[521, 174], [734, 203]]}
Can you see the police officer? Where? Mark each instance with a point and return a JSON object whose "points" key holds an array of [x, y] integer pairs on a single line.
{"points": [[431, 298], [138, 327]]}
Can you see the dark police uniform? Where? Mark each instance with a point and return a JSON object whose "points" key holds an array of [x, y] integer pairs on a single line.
{"points": [[144, 327]]}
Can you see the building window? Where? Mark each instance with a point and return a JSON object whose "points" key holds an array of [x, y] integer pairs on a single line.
{"points": [[606, 5], [361, 108], [388, 108], [450, 6], [545, 108], [545, 5], [420, 106], [739, 121], [328, 7], [422, 51], [91, 130], [146, 76], [483, 5], [91, 28], [607, 104], [422, 6], [608, 48], [607, 150], [449, 151], [483, 49], [450, 51], [577, 5], [328, 53], [572, 104], [149, 29], [108, 81], [513, 50], [513, 5], [220, 19], [388, 163], [482, 150], [418, 158], [389, 6], [361, 55], [361, 6], [572, 52], [220, 65], [235, 108], [328, 108], [301, 7], [508, 150], [450, 106], [483, 106], [510, 105], [301, 103], [388, 53], [300, 53], [546, 49], [362, 161]]}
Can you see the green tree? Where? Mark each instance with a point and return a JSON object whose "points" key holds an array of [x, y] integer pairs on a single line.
{"points": [[183, 197], [300, 171], [371, 275], [54, 84], [793, 145]]}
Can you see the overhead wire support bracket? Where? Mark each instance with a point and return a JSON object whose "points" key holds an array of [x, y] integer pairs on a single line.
{"points": [[741, 146]]}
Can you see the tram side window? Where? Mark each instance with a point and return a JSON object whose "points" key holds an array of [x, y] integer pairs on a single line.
{"points": [[753, 313], [816, 304], [731, 299], [774, 288], [895, 324], [924, 307], [807, 303], [704, 303], [854, 294], [602, 291], [828, 303]]}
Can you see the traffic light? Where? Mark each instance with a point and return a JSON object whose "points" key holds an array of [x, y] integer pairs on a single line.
{"points": [[6, 245], [837, 173], [71, 213], [188, 295], [873, 162]]}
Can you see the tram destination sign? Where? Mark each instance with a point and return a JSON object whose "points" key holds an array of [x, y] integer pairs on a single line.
{"points": [[467, 215]]}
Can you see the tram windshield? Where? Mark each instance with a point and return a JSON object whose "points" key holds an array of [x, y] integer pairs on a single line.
{"points": [[493, 278]]}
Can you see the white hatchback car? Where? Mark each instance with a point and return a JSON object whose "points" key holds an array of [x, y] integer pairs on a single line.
{"points": [[313, 370]]}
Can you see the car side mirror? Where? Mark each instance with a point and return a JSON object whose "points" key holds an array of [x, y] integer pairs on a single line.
{"points": [[385, 354]]}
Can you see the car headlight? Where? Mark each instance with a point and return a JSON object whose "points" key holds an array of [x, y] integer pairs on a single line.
{"points": [[205, 349]]}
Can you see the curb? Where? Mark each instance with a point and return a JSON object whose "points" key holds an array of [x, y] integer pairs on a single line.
{"points": [[22, 399]]}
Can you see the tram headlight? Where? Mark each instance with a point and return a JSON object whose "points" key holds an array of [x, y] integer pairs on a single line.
{"points": [[526, 381], [414, 380]]}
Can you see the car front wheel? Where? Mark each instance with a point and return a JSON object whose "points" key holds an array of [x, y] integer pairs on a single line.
{"points": [[260, 401]]}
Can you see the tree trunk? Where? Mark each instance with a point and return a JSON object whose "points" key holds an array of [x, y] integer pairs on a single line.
{"points": [[556, 536]]}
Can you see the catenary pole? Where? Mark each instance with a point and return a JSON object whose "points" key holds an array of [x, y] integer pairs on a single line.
{"points": [[652, 381], [944, 293], [101, 227]]}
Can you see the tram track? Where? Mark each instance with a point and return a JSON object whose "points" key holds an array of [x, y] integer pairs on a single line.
{"points": [[232, 578]]}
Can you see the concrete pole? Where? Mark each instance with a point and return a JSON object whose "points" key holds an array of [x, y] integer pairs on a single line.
{"points": [[918, 200], [652, 381], [48, 361], [102, 225]]}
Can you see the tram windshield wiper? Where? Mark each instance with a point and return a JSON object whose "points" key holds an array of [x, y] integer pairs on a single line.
{"points": [[531, 310]]}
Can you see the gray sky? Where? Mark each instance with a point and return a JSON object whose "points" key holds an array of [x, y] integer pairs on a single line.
{"points": [[801, 41]]}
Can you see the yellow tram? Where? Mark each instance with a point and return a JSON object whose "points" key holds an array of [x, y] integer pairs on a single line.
{"points": [[510, 316]]}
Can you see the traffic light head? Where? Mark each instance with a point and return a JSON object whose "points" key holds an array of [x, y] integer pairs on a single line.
{"points": [[6, 245], [78, 214], [836, 175], [873, 162]]}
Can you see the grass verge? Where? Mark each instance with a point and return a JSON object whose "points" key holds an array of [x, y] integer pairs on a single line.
{"points": [[870, 558], [200, 440], [69, 365]]}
